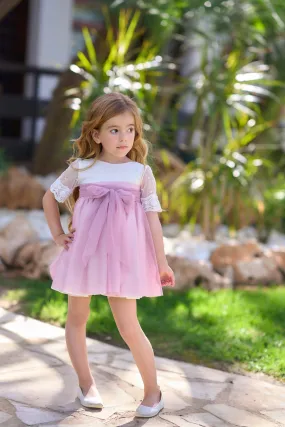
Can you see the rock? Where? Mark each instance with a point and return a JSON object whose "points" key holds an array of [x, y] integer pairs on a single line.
{"points": [[231, 254], [247, 233], [36, 218], [228, 272], [194, 230], [19, 189], [185, 235], [26, 243], [279, 257], [222, 234], [257, 271], [171, 230], [197, 230], [188, 247], [48, 254], [28, 256], [276, 240], [13, 236], [6, 216], [34, 259], [169, 245], [194, 249], [189, 273]]}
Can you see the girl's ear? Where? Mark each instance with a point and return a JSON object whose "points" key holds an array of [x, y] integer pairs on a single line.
{"points": [[95, 136]]}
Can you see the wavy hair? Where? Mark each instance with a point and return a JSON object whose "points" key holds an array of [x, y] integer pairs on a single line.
{"points": [[102, 109]]}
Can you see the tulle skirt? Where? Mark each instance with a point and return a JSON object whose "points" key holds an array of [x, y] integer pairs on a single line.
{"points": [[112, 252]]}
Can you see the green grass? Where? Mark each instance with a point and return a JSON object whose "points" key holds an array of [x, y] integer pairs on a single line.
{"points": [[222, 329]]}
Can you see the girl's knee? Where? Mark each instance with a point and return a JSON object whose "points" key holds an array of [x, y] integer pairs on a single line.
{"points": [[77, 318], [78, 312], [128, 332], [125, 315]]}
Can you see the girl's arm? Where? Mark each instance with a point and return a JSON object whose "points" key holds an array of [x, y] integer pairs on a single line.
{"points": [[59, 191], [52, 214], [152, 206], [166, 273], [157, 235]]}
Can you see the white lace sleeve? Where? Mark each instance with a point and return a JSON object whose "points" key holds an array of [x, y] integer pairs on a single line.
{"points": [[63, 186], [149, 197]]}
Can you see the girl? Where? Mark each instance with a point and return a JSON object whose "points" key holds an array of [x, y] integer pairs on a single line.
{"points": [[115, 244]]}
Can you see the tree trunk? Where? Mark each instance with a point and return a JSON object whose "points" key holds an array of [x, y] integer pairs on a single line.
{"points": [[52, 151], [6, 6]]}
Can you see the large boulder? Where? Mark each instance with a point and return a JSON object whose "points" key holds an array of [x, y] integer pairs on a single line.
{"points": [[34, 259], [230, 254], [276, 240], [190, 273], [48, 254], [257, 271], [279, 257], [15, 235], [19, 189]]}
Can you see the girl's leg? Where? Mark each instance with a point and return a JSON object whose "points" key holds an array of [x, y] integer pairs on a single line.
{"points": [[75, 334], [125, 315]]}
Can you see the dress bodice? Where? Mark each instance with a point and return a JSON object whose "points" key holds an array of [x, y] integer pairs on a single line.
{"points": [[85, 171]]}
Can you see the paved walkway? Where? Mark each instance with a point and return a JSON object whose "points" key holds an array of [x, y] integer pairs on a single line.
{"points": [[38, 386]]}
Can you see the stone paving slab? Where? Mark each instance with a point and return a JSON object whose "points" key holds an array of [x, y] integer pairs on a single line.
{"points": [[38, 386]]}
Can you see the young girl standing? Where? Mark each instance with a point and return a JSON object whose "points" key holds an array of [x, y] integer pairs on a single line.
{"points": [[115, 243]]}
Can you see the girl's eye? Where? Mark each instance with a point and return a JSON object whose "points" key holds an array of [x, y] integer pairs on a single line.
{"points": [[114, 131]]}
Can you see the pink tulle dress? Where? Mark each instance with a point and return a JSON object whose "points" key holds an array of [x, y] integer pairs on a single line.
{"points": [[112, 252]]}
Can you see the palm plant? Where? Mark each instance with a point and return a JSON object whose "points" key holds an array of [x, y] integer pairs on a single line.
{"points": [[122, 58], [127, 67], [227, 120], [230, 86]]}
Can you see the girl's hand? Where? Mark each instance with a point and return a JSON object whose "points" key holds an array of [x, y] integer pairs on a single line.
{"points": [[167, 276], [64, 239]]}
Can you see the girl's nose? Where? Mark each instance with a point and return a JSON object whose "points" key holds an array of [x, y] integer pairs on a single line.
{"points": [[123, 136]]}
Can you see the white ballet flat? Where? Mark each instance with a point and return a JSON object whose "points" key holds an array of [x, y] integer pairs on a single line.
{"points": [[89, 401], [150, 411]]}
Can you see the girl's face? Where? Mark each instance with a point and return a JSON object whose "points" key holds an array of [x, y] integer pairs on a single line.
{"points": [[116, 136]]}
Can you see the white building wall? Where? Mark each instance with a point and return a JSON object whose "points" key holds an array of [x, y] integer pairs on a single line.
{"points": [[48, 45]]}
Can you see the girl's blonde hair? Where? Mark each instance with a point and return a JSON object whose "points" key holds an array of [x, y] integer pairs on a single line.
{"points": [[102, 109]]}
